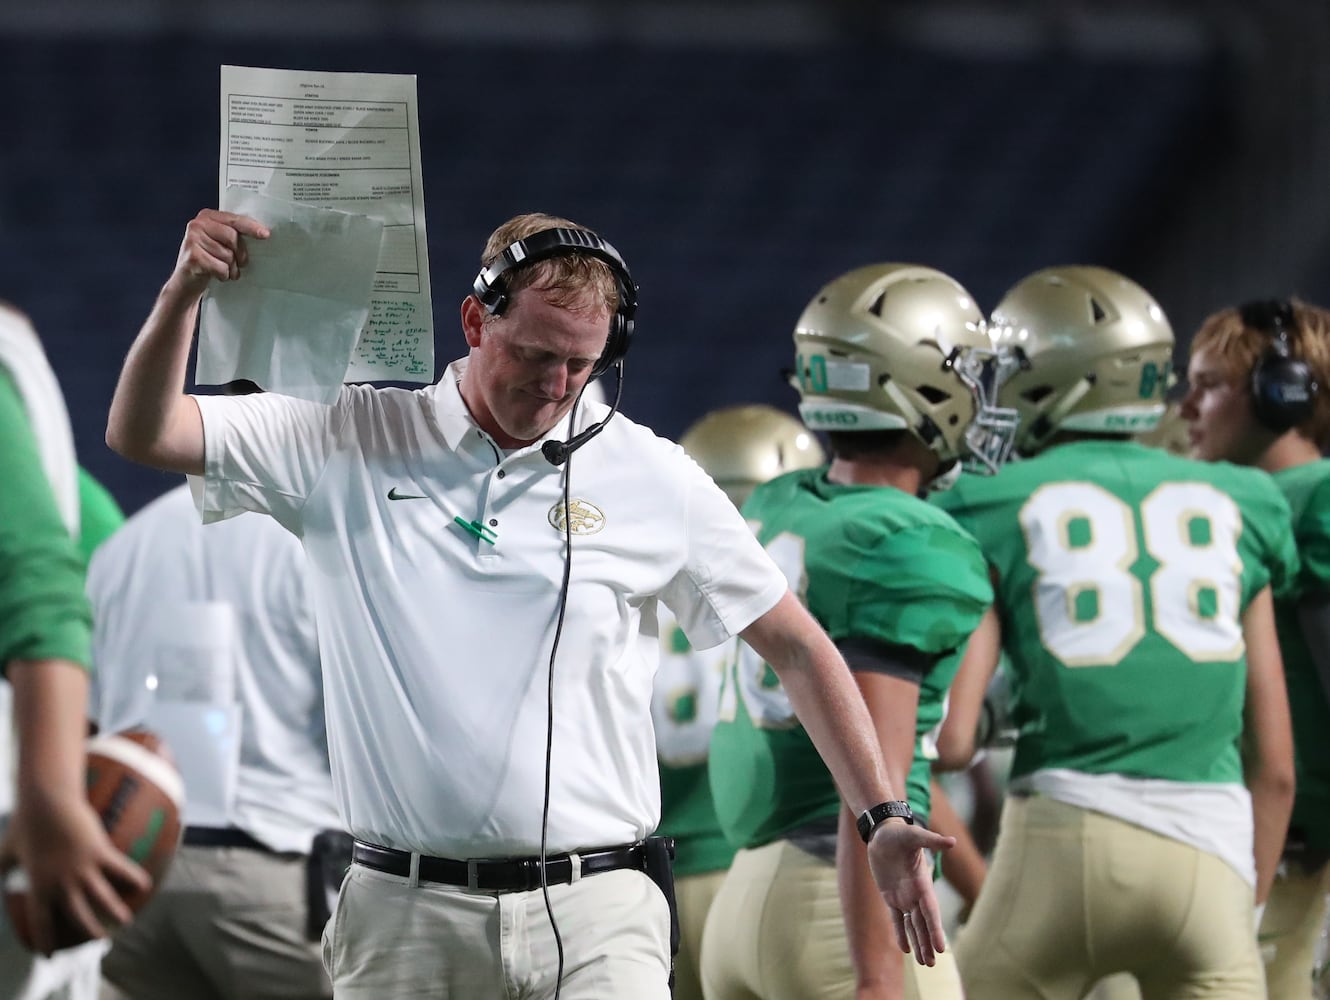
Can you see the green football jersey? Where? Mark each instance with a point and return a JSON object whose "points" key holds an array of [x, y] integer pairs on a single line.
{"points": [[870, 563], [1307, 488], [1124, 573]]}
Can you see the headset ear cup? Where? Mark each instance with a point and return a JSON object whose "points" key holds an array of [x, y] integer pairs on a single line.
{"points": [[1283, 391], [616, 344]]}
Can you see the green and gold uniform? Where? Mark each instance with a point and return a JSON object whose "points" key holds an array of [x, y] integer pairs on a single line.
{"points": [[893, 578], [1297, 904], [44, 614], [1123, 576]]}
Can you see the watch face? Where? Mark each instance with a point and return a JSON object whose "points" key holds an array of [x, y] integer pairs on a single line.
{"points": [[901, 809], [871, 819]]}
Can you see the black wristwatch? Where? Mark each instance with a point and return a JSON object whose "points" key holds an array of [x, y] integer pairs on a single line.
{"points": [[873, 818]]}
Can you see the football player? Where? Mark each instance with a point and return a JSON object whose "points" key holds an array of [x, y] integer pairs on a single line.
{"points": [[739, 447], [1134, 599], [889, 363], [1259, 394]]}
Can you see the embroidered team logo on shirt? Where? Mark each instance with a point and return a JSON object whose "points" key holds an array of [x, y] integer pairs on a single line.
{"points": [[586, 517]]}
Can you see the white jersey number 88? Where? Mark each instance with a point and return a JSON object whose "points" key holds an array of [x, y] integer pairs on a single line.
{"points": [[1090, 606]]}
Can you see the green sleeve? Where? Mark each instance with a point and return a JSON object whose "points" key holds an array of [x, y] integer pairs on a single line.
{"points": [[99, 514], [43, 610], [926, 588], [1281, 564]]}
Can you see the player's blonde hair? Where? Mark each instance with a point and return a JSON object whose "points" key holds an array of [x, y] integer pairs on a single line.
{"points": [[1237, 347], [564, 279]]}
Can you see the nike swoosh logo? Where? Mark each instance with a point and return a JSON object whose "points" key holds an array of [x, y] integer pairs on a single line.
{"points": [[394, 495]]}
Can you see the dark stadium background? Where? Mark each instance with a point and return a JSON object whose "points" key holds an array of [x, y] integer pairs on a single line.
{"points": [[739, 153]]}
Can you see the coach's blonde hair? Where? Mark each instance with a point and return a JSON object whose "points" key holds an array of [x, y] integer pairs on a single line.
{"points": [[564, 279], [1238, 347]]}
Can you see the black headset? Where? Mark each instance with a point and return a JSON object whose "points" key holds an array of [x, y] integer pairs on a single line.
{"points": [[491, 288], [1283, 387]]}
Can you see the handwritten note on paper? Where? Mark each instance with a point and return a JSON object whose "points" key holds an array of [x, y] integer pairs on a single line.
{"points": [[348, 142], [393, 341]]}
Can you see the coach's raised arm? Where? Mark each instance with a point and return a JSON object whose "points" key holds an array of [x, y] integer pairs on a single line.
{"points": [[152, 420]]}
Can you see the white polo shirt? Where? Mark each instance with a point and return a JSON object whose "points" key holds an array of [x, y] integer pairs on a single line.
{"points": [[152, 585], [436, 642]]}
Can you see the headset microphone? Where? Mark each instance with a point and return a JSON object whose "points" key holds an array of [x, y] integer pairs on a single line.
{"points": [[557, 452]]}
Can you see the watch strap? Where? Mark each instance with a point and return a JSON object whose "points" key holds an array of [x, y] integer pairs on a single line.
{"points": [[870, 819]]}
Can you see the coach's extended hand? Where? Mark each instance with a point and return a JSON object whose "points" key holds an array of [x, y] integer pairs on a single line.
{"points": [[903, 870]]}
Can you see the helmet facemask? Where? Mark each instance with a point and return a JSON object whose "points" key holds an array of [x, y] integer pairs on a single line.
{"points": [[992, 433]]}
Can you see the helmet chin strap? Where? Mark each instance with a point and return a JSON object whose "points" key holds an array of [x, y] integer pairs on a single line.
{"points": [[917, 423], [1064, 406], [948, 469], [914, 420]]}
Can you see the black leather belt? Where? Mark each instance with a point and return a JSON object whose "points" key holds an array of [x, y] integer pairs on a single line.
{"points": [[500, 874]]}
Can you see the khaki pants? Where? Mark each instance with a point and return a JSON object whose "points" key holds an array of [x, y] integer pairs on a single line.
{"points": [[388, 938], [1289, 930], [693, 895], [1073, 895], [775, 932], [227, 924]]}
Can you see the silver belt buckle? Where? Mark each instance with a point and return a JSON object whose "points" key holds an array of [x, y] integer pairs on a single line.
{"points": [[473, 872]]}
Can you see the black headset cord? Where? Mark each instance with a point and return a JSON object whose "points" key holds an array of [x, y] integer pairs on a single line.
{"points": [[554, 650]]}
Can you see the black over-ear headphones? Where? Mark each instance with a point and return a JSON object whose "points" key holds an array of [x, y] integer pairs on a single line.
{"points": [[1283, 387], [491, 288]]}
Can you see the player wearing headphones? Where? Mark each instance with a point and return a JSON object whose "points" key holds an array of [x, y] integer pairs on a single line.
{"points": [[1259, 395], [740, 447], [486, 562], [889, 362], [1134, 600]]}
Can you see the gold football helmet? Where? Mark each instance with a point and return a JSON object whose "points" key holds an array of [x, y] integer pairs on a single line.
{"points": [[741, 447], [900, 346], [1095, 354]]}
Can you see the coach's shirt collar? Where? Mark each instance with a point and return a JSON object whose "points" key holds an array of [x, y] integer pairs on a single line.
{"points": [[455, 421]]}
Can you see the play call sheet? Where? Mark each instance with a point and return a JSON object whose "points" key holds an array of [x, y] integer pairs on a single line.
{"points": [[349, 142]]}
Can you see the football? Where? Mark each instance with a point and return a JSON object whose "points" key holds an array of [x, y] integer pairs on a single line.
{"points": [[139, 795]]}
